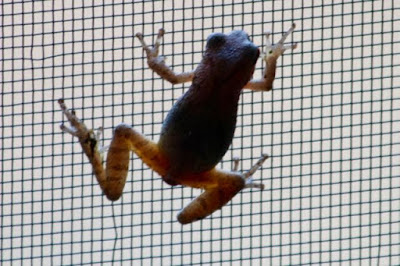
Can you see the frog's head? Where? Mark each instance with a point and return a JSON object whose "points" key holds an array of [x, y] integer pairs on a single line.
{"points": [[231, 57]]}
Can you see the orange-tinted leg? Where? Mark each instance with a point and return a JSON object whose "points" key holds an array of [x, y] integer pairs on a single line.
{"points": [[126, 139], [220, 187]]}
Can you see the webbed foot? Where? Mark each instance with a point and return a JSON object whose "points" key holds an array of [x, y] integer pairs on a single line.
{"points": [[88, 138], [248, 175], [157, 62], [152, 52], [273, 51]]}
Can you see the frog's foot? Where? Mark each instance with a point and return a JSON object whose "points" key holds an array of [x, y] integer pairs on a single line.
{"points": [[248, 175], [273, 51], [152, 52], [157, 62], [88, 138]]}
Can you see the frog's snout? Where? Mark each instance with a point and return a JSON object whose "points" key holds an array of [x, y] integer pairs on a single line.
{"points": [[254, 53]]}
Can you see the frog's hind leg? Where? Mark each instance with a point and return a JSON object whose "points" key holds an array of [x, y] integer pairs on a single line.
{"points": [[220, 187], [125, 139]]}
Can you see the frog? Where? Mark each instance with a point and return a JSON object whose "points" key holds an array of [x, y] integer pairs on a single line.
{"points": [[197, 131]]}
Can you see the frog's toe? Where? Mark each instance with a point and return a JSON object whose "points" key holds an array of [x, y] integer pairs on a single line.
{"points": [[77, 128], [251, 184], [70, 130], [248, 175], [286, 34], [235, 166]]}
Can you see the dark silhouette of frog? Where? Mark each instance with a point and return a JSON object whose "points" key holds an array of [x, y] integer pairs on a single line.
{"points": [[197, 131]]}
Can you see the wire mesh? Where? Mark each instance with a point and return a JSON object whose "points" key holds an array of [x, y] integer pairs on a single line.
{"points": [[331, 126]]}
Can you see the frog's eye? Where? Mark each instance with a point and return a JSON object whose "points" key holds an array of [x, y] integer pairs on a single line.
{"points": [[215, 40]]}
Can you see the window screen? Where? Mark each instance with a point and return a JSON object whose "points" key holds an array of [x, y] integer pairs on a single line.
{"points": [[331, 126]]}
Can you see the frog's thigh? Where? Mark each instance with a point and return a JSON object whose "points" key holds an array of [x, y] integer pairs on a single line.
{"points": [[127, 139]]}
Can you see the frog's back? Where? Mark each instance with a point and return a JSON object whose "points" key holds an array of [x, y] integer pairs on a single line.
{"points": [[199, 128], [196, 135]]}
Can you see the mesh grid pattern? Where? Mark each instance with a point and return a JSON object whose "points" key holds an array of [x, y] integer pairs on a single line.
{"points": [[331, 126]]}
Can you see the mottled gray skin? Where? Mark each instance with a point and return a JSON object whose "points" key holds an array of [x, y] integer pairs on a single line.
{"points": [[199, 128]]}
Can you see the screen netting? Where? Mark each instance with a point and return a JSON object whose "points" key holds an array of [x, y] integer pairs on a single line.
{"points": [[331, 126]]}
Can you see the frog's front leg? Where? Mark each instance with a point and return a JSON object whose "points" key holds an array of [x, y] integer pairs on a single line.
{"points": [[157, 63], [271, 55], [220, 187], [125, 139]]}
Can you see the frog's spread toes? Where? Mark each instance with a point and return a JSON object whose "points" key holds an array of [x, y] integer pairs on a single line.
{"points": [[151, 52], [248, 175], [276, 50], [87, 137]]}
